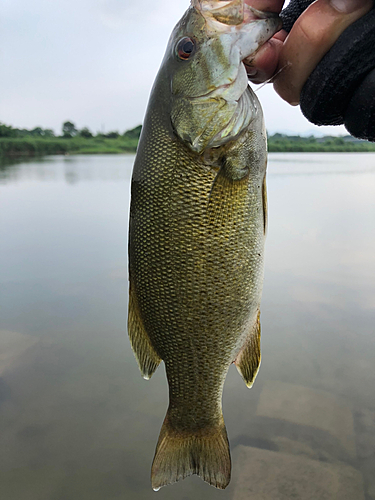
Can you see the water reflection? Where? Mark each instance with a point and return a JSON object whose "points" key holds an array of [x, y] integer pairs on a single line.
{"points": [[77, 419], [70, 168]]}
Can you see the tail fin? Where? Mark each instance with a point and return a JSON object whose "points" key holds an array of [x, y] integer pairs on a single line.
{"points": [[180, 455]]}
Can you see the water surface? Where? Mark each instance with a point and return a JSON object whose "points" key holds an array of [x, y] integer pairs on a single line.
{"points": [[78, 422]]}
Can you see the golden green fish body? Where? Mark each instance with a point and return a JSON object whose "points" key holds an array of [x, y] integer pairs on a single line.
{"points": [[196, 250]]}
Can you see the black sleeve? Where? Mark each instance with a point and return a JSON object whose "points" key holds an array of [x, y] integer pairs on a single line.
{"points": [[291, 13], [341, 89]]}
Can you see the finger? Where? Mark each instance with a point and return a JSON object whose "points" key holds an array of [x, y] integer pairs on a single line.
{"points": [[312, 35], [263, 65]]}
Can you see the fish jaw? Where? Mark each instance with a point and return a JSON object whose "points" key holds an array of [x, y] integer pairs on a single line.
{"points": [[249, 28], [230, 12], [225, 15], [210, 97], [226, 12], [220, 47]]}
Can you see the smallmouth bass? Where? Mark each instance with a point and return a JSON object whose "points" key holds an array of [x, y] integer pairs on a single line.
{"points": [[197, 231]]}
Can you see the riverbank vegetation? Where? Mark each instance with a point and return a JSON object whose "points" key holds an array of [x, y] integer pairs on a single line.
{"points": [[39, 142], [16, 142], [280, 143]]}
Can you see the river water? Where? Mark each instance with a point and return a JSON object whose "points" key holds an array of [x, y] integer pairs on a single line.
{"points": [[78, 422]]}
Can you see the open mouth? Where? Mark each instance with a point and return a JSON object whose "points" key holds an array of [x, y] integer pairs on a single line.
{"points": [[231, 12]]}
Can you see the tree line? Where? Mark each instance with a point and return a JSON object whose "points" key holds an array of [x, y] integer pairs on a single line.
{"points": [[68, 131], [15, 142], [295, 143]]}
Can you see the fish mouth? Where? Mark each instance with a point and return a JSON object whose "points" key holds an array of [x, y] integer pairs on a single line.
{"points": [[260, 14], [231, 12], [222, 106], [256, 28], [251, 26]]}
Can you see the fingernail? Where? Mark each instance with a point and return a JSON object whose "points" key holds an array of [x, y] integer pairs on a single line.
{"points": [[348, 6], [251, 72]]}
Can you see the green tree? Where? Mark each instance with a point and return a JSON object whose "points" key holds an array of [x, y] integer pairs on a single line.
{"points": [[48, 132], [112, 135], [86, 133], [69, 130], [7, 131], [38, 131]]}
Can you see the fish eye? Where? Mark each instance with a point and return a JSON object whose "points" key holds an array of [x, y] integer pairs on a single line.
{"points": [[185, 47]]}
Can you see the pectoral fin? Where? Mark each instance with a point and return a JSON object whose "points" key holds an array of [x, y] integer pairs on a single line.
{"points": [[248, 359], [145, 354]]}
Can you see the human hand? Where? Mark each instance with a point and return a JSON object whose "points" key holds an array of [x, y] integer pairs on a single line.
{"points": [[341, 88], [297, 54]]}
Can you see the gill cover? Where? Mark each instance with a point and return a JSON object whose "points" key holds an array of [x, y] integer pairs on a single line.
{"points": [[211, 101]]}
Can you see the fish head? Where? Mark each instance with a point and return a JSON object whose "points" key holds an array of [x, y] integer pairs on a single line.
{"points": [[211, 102]]}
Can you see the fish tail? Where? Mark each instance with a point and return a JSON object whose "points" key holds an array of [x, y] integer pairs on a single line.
{"points": [[181, 454]]}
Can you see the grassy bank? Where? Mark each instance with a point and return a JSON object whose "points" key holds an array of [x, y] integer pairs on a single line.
{"points": [[30, 146], [16, 142], [280, 143]]}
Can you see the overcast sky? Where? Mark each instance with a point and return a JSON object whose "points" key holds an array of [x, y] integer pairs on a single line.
{"points": [[94, 61]]}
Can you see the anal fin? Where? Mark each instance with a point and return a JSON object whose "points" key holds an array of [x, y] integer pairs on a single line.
{"points": [[248, 359], [145, 354]]}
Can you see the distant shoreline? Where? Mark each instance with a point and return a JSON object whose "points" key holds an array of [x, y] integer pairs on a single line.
{"points": [[16, 143], [15, 148], [280, 143], [18, 148]]}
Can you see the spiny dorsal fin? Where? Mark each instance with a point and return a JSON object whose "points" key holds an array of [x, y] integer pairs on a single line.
{"points": [[248, 359]]}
